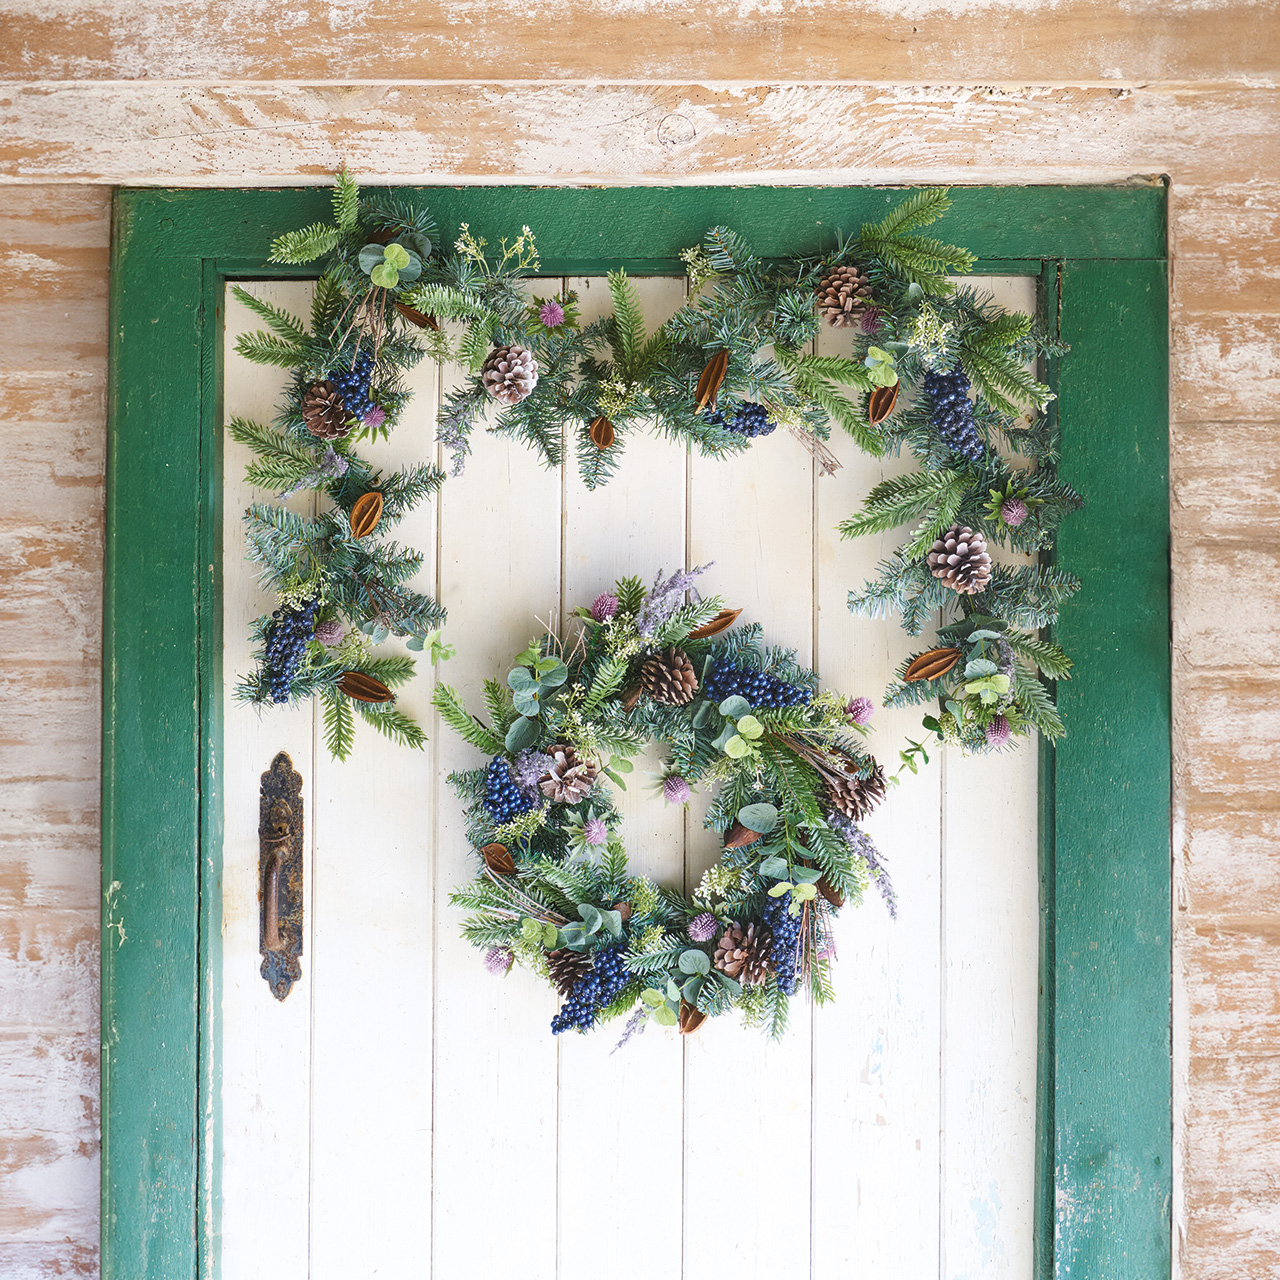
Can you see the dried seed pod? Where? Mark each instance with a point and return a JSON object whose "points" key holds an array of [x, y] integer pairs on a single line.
{"points": [[721, 622], [738, 836], [932, 665], [831, 893], [623, 909], [712, 378], [498, 860], [632, 696], [602, 433], [420, 318], [881, 403], [365, 514], [691, 1018], [363, 688]]}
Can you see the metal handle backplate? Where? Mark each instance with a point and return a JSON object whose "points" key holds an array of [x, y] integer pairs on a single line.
{"points": [[280, 875]]}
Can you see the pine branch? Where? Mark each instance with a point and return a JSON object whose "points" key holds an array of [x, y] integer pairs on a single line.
{"points": [[1002, 380], [282, 323], [1047, 656], [346, 201], [446, 701], [1037, 706], [901, 499], [261, 348], [392, 723], [628, 322], [306, 244], [918, 210], [339, 724]]}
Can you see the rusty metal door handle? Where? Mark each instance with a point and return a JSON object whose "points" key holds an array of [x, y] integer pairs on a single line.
{"points": [[280, 875], [271, 905]]}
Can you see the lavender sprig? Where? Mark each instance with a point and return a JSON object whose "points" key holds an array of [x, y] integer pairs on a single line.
{"points": [[664, 598], [863, 847]]}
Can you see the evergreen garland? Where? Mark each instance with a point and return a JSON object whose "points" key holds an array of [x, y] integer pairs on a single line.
{"points": [[553, 891], [936, 370]]}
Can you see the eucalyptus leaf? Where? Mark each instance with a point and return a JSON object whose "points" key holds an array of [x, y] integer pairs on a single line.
{"points": [[416, 644], [983, 634], [736, 747], [750, 728], [666, 1016], [806, 875], [617, 781], [573, 936], [774, 868], [702, 715], [673, 992], [732, 987], [385, 276], [526, 703], [591, 917], [519, 678], [694, 961], [691, 988], [979, 667], [370, 256], [807, 892], [783, 886], [396, 255], [551, 672], [735, 705], [523, 733], [379, 634], [549, 936], [621, 765], [612, 923], [725, 734], [530, 929], [653, 998], [762, 817]]}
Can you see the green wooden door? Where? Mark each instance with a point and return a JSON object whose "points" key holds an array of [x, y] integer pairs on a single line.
{"points": [[1104, 1105]]}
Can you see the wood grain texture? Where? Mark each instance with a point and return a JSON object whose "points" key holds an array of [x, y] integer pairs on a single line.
{"points": [[1079, 41], [253, 135], [53, 332], [1219, 145]]}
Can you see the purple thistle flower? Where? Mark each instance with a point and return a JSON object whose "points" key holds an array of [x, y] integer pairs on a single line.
{"points": [[604, 606], [998, 732], [551, 314], [675, 790], [1013, 512], [497, 960], [704, 927], [872, 319], [374, 418], [860, 710], [664, 598], [331, 633], [595, 831]]}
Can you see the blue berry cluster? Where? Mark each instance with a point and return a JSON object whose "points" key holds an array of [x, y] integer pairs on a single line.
{"points": [[752, 420], [599, 986], [715, 418], [953, 413], [353, 385], [724, 679], [286, 639], [502, 798], [785, 950]]}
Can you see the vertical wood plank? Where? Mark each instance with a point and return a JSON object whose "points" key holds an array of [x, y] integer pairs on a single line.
{"points": [[494, 1108], [266, 1049], [877, 1049], [621, 1116], [991, 915], [372, 959], [748, 1112]]}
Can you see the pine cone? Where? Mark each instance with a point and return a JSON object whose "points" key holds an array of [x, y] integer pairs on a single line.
{"points": [[853, 796], [569, 778], [324, 413], [509, 374], [743, 954], [669, 678], [845, 292], [960, 559], [568, 968]]}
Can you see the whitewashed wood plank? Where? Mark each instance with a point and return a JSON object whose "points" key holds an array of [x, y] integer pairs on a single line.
{"points": [[991, 972], [621, 1116], [494, 1192], [266, 1044], [748, 1101], [876, 1049], [372, 952]]}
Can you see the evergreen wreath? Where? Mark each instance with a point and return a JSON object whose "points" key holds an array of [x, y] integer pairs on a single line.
{"points": [[793, 781], [935, 369]]}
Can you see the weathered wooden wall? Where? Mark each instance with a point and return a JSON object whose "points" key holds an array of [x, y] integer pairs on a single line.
{"points": [[844, 90]]}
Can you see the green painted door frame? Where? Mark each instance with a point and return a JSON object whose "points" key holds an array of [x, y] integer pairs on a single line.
{"points": [[1104, 1116]]}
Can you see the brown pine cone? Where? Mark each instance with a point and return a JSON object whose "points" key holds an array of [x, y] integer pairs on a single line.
{"points": [[569, 778], [509, 374], [669, 678], [960, 559], [324, 413], [743, 954], [853, 796], [843, 294], [568, 968]]}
